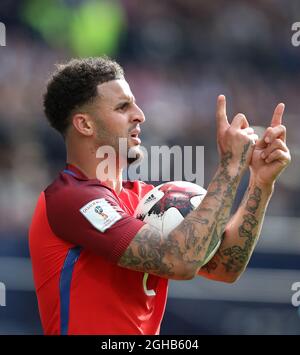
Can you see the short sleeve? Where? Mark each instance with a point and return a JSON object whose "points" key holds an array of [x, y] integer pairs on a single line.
{"points": [[91, 217]]}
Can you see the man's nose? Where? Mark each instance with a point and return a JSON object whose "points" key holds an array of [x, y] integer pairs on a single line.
{"points": [[138, 115]]}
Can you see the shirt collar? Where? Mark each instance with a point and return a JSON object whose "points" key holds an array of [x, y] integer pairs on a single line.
{"points": [[74, 171], [78, 174]]}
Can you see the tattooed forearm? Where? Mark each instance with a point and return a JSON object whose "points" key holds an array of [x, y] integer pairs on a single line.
{"points": [[148, 253], [203, 228], [236, 257], [242, 234]]}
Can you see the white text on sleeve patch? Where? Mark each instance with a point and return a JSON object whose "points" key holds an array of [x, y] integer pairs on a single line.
{"points": [[100, 213]]}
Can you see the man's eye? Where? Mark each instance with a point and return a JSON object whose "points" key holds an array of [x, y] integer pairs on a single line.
{"points": [[123, 106]]}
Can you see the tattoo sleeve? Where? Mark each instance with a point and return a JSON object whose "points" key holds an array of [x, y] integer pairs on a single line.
{"points": [[180, 254], [240, 237]]}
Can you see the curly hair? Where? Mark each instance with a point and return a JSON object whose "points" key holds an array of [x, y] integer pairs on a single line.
{"points": [[73, 85]]}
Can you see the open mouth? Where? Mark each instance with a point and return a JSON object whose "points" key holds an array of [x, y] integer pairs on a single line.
{"points": [[135, 137]]}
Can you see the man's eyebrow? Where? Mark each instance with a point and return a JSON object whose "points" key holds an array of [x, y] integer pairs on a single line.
{"points": [[127, 98]]}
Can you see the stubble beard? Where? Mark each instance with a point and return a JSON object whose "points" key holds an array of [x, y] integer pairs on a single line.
{"points": [[132, 155]]}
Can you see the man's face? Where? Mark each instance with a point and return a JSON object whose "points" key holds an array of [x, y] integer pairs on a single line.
{"points": [[117, 116]]}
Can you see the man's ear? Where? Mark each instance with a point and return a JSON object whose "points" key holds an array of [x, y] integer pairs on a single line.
{"points": [[83, 124]]}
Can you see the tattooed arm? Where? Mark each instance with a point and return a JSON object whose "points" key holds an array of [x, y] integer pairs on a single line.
{"points": [[270, 157], [240, 237], [180, 254]]}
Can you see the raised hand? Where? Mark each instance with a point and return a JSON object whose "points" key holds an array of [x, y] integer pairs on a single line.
{"points": [[236, 141], [271, 154]]}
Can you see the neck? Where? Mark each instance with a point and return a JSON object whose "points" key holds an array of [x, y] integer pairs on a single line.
{"points": [[94, 168]]}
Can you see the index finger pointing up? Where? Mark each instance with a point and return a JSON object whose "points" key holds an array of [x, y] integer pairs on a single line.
{"points": [[222, 122], [277, 115]]}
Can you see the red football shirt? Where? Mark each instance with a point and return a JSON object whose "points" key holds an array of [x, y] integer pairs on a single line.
{"points": [[80, 229]]}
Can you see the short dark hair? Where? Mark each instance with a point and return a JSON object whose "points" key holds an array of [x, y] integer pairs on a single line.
{"points": [[74, 84]]}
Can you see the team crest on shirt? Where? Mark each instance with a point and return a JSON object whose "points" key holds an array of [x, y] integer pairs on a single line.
{"points": [[100, 213]]}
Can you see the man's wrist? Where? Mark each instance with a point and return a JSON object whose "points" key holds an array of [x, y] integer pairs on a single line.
{"points": [[235, 169], [267, 187]]}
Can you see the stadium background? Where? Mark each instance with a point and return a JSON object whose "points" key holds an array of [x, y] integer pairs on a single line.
{"points": [[178, 56]]}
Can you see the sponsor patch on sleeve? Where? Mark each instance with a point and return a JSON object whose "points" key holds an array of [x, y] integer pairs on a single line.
{"points": [[101, 214]]}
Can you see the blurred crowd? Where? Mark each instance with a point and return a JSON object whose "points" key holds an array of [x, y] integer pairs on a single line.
{"points": [[178, 56]]}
